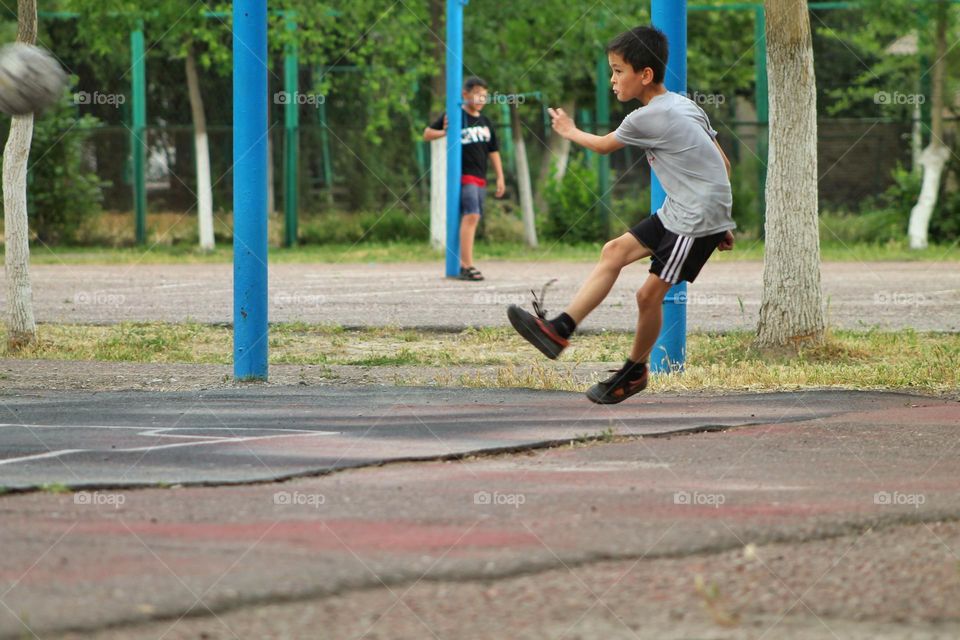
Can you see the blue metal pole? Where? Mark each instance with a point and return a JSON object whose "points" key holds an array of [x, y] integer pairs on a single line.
{"points": [[250, 189], [670, 350], [454, 128]]}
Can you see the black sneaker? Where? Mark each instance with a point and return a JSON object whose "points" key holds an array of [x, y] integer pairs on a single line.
{"points": [[537, 332], [619, 386], [470, 273]]}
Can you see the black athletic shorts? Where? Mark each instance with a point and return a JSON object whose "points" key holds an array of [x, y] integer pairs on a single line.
{"points": [[675, 257]]}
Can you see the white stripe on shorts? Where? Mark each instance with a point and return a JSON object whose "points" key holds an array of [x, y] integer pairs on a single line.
{"points": [[671, 272]]}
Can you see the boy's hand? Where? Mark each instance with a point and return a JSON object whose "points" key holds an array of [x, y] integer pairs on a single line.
{"points": [[562, 123], [727, 243], [444, 123], [501, 187]]}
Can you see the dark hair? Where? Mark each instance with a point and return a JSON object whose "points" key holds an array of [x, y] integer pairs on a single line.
{"points": [[473, 81], [642, 47]]}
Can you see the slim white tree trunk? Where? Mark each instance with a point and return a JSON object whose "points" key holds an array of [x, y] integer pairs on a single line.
{"points": [[791, 310], [934, 157], [916, 139], [438, 193], [202, 151], [932, 160], [21, 326], [523, 179]]}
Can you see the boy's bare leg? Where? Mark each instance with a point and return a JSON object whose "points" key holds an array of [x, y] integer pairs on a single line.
{"points": [[615, 255], [650, 306], [468, 230]]}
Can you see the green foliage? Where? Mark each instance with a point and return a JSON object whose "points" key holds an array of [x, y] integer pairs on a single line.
{"points": [[345, 228], [628, 211], [501, 222], [574, 214], [885, 218], [747, 211], [945, 224], [903, 193], [856, 69], [62, 191], [710, 57], [877, 227], [881, 220]]}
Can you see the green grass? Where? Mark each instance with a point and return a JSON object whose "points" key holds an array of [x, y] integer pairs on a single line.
{"points": [[747, 249], [55, 488], [497, 357]]}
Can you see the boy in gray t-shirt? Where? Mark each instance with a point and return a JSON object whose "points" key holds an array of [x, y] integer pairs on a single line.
{"points": [[694, 220]]}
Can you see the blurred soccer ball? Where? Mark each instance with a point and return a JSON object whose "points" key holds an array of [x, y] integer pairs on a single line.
{"points": [[31, 79]]}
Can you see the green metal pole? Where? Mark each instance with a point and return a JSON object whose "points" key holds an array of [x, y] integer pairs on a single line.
{"points": [[507, 139], [586, 123], [325, 152], [762, 104], [291, 159], [138, 135], [603, 123]]}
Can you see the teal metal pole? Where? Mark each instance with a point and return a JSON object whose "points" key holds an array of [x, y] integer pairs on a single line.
{"points": [[291, 159], [586, 123], [138, 134], [325, 152], [507, 143], [761, 98], [602, 125], [670, 351]]}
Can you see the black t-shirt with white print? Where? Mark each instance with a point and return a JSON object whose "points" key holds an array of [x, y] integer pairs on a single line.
{"points": [[478, 138]]}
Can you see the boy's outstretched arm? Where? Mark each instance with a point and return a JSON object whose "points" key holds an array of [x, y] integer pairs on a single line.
{"points": [[563, 124]]}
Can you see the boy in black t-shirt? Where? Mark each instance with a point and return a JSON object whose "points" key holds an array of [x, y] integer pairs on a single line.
{"points": [[479, 140]]}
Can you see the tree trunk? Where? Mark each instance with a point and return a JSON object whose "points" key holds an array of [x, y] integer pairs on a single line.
{"points": [[21, 326], [934, 157], [791, 310], [555, 160], [202, 145], [523, 178], [438, 194]]}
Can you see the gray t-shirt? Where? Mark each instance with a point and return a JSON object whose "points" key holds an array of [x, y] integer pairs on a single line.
{"points": [[679, 144]]}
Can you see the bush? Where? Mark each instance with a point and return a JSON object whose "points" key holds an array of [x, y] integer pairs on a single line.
{"points": [[880, 220], [573, 211], [746, 201], [874, 227], [945, 224], [501, 222], [62, 191], [349, 228], [395, 225], [629, 211]]}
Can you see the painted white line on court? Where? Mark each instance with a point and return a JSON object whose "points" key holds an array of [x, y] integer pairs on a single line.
{"points": [[291, 433], [149, 429], [40, 456]]}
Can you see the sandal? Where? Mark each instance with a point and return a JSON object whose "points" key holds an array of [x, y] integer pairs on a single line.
{"points": [[470, 273]]}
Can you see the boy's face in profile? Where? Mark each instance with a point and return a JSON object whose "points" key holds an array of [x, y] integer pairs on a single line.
{"points": [[627, 83], [476, 98]]}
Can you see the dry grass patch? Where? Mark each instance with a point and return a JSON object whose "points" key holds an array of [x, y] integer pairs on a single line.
{"points": [[496, 357]]}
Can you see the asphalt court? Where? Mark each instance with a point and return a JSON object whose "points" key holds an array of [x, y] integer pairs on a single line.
{"points": [[260, 433]]}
